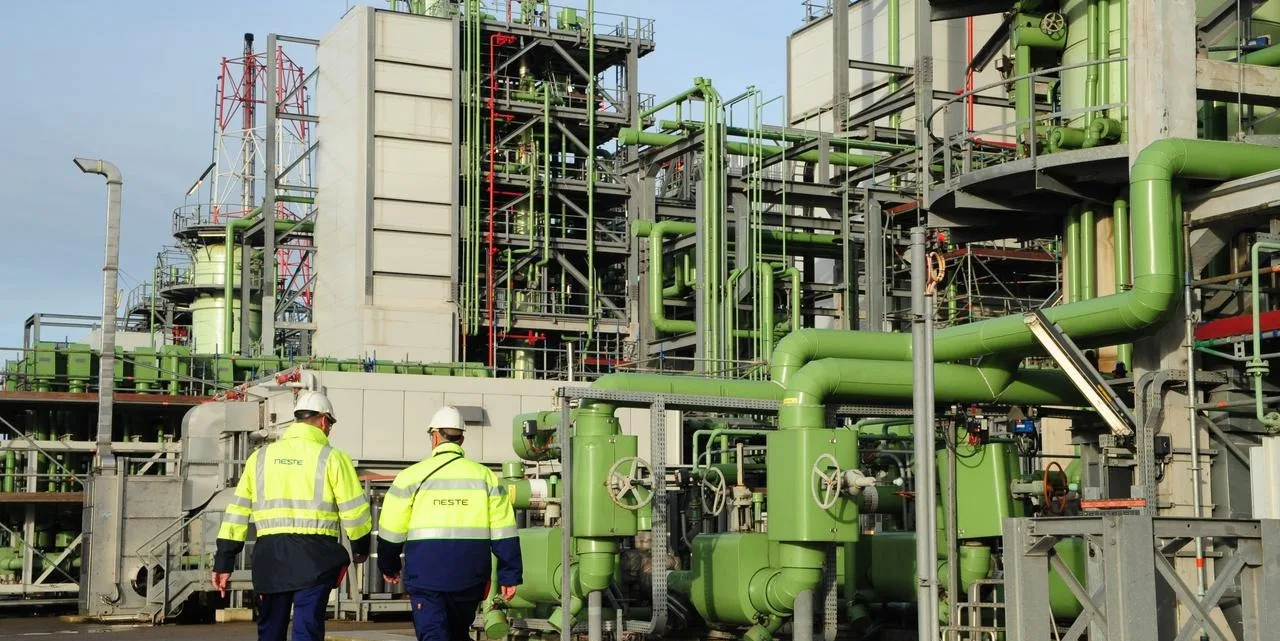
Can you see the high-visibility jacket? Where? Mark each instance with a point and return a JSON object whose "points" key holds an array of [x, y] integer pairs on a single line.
{"points": [[448, 514], [300, 493]]}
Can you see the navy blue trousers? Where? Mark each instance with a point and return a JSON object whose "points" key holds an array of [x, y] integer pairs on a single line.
{"points": [[308, 605], [446, 616]]}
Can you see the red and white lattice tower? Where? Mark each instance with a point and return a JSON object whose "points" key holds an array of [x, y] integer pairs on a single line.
{"points": [[238, 180]]}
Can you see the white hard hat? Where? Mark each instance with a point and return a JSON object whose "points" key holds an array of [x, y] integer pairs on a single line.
{"points": [[312, 401], [447, 418]]}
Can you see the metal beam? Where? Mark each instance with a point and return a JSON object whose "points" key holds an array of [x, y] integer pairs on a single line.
{"points": [[1234, 82], [964, 8], [880, 67], [1222, 20], [993, 46], [582, 280], [1253, 195], [895, 102]]}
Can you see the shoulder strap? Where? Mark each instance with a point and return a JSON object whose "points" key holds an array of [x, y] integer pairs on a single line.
{"points": [[433, 472]]}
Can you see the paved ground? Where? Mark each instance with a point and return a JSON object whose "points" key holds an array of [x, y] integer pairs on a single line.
{"points": [[36, 628]]}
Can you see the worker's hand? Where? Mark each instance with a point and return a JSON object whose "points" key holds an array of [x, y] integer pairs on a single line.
{"points": [[391, 578], [509, 592], [220, 581], [359, 558]]}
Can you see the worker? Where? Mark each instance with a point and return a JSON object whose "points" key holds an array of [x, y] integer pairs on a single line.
{"points": [[448, 514], [297, 491]]}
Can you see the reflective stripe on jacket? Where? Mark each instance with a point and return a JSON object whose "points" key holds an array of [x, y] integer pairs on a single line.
{"points": [[448, 514], [298, 485]]}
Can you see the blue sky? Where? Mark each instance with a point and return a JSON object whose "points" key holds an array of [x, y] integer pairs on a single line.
{"points": [[133, 82]]}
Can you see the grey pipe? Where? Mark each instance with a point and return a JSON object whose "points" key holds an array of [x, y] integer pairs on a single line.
{"points": [[110, 281], [802, 620], [595, 617], [1197, 499], [566, 519], [922, 401]]}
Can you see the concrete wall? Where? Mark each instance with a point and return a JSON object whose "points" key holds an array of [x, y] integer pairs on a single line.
{"points": [[387, 183], [810, 65], [383, 417]]}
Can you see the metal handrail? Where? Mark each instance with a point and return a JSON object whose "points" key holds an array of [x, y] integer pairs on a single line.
{"points": [[1007, 81]]}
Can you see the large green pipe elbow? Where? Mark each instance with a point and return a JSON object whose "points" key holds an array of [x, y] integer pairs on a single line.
{"points": [[773, 591], [1091, 323], [799, 348], [657, 300], [858, 379]]}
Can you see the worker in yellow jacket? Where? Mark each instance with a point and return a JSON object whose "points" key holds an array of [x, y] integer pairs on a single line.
{"points": [[448, 514], [298, 492]]}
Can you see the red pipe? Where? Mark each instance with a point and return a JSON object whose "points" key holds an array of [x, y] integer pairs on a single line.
{"points": [[495, 40]]}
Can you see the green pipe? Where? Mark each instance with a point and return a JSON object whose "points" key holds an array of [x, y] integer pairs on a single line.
{"points": [[731, 307], [793, 273], [811, 240], [1091, 77], [765, 307], [1268, 57], [629, 136], [151, 322], [657, 303], [1061, 138], [228, 264], [808, 390], [713, 434], [895, 55], [712, 220], [1120, 234], [1257, 368], [680, 97], [547, 184], [1124, 70], [1073, 255], [228, 278], [773, 590], [11, 470], [1104, 56], [592, 303], [1024, 97], [546, 422], [1096, 322], [791, 136], [475, 35], [1088, 254]]}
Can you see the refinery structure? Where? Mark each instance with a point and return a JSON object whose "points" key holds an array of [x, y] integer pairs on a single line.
{"points": [[974, 344]]}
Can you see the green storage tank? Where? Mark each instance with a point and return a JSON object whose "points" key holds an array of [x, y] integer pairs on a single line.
{"points": [[208, 321]]}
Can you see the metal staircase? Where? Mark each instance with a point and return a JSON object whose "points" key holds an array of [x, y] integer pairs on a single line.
{"points": [[177, 569]]}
